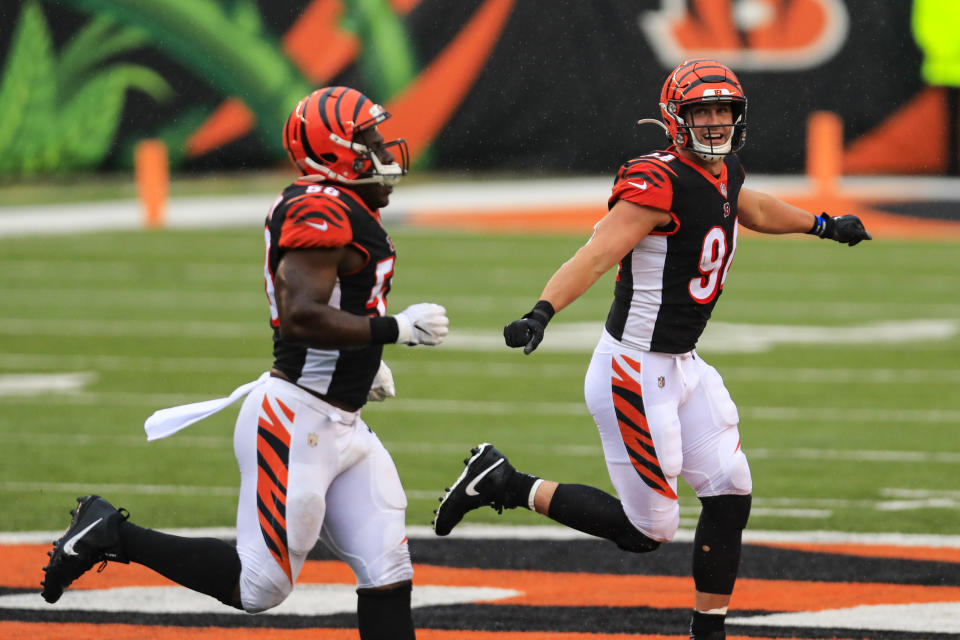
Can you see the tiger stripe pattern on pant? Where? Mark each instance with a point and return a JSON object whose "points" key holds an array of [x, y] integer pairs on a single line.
{"points": [[273, 459], [634, 429]]}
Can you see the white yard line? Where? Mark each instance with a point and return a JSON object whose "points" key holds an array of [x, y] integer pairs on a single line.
{"points": [[447, 197], [472, 368], [513, 408]]}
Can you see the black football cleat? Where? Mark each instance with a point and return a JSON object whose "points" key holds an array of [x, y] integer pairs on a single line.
{"points": [[483, 482], [93, 536]]}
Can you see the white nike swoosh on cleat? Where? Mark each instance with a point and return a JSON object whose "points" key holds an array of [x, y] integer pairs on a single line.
{"points": [[471, 491], [68, 547], [643, 186], [322, 226]]}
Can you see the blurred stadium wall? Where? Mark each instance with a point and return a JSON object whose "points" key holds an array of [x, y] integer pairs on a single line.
{"points": [[506, 86]]}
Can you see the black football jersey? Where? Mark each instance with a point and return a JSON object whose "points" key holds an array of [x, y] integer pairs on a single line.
{"points": [[311, 215], [668, 284]]}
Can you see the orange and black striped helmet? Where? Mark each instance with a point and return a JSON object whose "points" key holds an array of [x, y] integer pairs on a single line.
{"points": [[321, 137], [699, 81]]}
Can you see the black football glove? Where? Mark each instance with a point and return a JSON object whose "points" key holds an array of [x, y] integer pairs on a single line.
{"points": [[844, 229], [528, 331]]}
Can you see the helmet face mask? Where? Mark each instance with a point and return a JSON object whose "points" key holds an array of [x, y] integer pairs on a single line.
{"points": [[324, 139], [703, 82]]}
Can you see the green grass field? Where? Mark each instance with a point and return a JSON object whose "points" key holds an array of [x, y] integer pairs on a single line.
{"points": [[847, 427]]}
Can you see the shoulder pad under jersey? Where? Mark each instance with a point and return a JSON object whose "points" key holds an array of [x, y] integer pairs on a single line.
{"points": [[316, 218], [645, 181]]}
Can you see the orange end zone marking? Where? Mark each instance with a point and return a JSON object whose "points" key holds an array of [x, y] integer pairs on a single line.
{"points": [[22, 569], [933, 554]]}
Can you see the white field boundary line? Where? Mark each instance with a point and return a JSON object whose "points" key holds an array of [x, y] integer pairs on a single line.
{"points": [[470, 368], [447, 197], [796, 508], [557, 532]]}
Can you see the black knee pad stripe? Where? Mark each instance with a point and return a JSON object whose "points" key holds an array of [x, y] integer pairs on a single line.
{"points": [[717, 542], [384, 614], [728, 511]]}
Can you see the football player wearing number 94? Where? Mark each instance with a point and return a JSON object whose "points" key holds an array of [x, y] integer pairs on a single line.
{"points": [[662, 412], [310, 468]]}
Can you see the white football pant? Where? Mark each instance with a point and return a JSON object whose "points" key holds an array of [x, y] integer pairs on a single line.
{"points": [[311, 471], [661, 416]]}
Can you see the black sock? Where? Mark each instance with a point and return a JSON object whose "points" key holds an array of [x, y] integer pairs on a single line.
{"points": [[598, 513], [517, 493], [707, 625], [207, 565], [384, 614]]}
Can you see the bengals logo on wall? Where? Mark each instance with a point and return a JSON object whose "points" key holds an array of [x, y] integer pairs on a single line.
{"points": [[751, 35]]}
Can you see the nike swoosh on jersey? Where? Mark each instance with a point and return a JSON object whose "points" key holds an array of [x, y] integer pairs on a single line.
{"points": [[68, 547], [643, 186], [471, 488], [322, 226]]}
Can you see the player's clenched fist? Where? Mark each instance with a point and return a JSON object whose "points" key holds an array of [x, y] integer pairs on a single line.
{"points": [[422, 323], [844, 229], [527, 332]]}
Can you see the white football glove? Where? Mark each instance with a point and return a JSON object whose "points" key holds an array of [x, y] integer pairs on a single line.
{"points": [[422, 323], [382, 387]]}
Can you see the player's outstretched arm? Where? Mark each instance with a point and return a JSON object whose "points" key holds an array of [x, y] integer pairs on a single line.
{"points": [[614, 236], [303, 284], [767, 214], [844, 229]]}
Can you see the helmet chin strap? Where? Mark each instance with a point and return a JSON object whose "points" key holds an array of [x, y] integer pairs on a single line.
{"points": [[710, 153], [707, 152]]}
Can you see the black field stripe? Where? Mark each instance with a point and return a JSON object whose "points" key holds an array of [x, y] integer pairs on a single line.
{"points": [[672, 559], [585, 556], [474, 617]]}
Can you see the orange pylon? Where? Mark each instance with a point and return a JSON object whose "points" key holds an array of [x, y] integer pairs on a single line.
{"points": [[152, 173], [824, 151]]}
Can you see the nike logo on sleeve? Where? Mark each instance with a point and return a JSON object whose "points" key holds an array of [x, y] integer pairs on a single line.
{"points": [[642, 186]]}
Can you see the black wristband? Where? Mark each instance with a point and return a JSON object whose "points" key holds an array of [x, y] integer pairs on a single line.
{"points": [[384, 330], [542, 312]]}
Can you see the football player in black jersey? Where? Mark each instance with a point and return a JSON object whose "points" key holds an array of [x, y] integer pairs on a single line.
{"points": [[662, 412], [310, 467]]}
